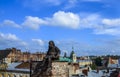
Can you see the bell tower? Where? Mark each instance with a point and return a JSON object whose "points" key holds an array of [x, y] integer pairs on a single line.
{"points": [[73, 55]]}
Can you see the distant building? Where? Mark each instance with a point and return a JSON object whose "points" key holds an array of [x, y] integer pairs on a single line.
{"points": [[10, 55], [84, 62], [37, 56], [113, 63], [27, 56]]}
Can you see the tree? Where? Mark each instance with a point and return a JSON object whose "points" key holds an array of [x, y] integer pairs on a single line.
{"points": [[98, 61], [93, 66]]}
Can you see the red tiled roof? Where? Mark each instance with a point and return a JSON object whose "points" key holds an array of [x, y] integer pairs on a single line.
{"points": [[24, 65]]}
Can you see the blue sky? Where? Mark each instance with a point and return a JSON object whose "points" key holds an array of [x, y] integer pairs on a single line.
{"points": [[90, 26]]}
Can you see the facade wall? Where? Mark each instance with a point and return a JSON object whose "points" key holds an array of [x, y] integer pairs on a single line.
{"points": [[3, 66], [7, 60], [37, 56], [25, 57], [34, 57], [83, 63], [14, 55]]}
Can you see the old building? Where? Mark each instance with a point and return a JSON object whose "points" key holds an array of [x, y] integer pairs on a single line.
{"points": [[38, 56], [27, 56], [84, 62], [10, 55]]}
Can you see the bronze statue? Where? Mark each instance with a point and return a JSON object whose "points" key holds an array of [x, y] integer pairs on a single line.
{"points": [[53, 53]]}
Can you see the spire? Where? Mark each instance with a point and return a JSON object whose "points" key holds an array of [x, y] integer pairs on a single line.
{"points": [[72, 48], [72, 52], [73, 55], [65, 54]]}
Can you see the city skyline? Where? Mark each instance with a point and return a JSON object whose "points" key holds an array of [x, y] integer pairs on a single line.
{"points": [[90, 26]]}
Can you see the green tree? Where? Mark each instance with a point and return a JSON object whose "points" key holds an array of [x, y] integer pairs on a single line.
{"points": [[98, 61], [93, 66]]}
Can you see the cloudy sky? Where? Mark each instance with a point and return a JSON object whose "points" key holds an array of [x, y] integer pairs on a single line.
{"points": [[92, 27]]}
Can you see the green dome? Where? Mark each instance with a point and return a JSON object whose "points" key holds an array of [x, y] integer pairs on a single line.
{"points": [[64, 59]]}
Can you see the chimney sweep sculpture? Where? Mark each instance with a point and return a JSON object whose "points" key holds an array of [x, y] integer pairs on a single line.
{"points": [[45, 67]]}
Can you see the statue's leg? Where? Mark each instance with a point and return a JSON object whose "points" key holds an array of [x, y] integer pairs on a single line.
{"points": [[49, 61]]}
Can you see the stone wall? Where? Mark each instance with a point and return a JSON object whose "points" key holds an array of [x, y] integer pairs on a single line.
{"points": [[60, 69]]}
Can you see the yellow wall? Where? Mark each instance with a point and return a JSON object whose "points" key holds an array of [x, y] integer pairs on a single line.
{"points": [[85, 63]]}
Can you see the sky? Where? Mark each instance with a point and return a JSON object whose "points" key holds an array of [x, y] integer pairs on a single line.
{"points": [[91, 27]]}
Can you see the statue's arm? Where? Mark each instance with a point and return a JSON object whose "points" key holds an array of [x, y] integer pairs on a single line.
{"points": [[57, 51]]}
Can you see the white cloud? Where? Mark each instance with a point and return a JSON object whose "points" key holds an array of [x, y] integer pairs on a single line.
{"points": [[90, 21], [111, 22], [108, 26], [10, 23], [65, 19], [101, 25], [38, 41], [8, 36], [33, 22], [95, 22], [109, 31], [11, 40], [60, 18]]}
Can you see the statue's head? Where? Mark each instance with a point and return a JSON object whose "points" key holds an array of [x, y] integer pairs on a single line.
{"points": [[51, 44]]}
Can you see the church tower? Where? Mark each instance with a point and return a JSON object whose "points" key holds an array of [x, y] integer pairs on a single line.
{"points": [[73, 55]]}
